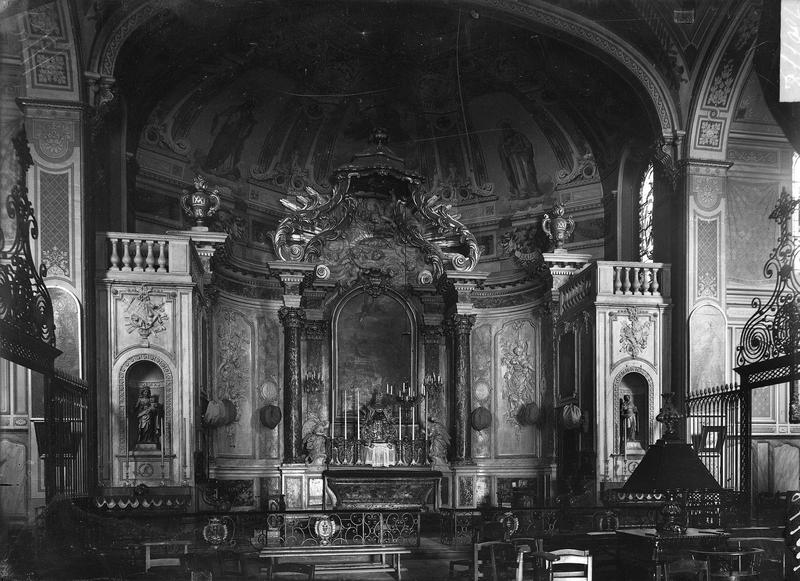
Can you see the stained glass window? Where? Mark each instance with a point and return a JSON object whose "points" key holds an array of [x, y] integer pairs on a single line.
{"points": [[646, 216]]}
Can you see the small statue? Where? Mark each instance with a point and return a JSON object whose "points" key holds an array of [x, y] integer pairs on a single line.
{"points": [[315, 438], [630, 418], [147, 414], [438, 441]]}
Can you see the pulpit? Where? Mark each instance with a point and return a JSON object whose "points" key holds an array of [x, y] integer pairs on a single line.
{"points": [[381, 488]]}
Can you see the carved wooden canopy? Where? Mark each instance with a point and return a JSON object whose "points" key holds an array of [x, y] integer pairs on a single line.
{"points": [[376, 206]]}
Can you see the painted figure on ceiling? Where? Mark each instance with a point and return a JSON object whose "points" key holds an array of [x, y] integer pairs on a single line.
{"points": [[516, 156], [232, 125]]}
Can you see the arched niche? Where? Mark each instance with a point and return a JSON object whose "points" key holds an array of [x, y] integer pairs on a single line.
{"points": [[140, 373], [636, 383], [374, 337]]}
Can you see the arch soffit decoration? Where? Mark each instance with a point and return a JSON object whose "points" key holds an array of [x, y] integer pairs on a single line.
{"points": [[642, 370], [109, 42], [122, 373], [706, 112]]}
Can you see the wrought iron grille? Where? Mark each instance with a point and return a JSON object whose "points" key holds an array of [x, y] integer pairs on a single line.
{"points": [[63, 438], [768, 350], [772, 330], [27, 331], [718, 425], [322, 528]]}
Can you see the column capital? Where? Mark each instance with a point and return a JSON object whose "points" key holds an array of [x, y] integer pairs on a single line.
{"points": [[315, 330], [431, 334], [462, 324], [291, 317]]}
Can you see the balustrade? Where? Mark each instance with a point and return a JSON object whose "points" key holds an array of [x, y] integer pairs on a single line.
{"points": [[634, 279], [124, 252]]}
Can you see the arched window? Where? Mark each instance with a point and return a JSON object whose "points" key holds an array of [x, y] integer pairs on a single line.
{"points": [[646, 216]]}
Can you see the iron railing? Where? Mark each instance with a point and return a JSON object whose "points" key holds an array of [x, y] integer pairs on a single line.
{"points": [[63, 438], [718, 426], [323, 528]]}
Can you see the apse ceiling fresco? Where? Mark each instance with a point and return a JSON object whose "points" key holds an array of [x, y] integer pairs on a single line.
{"points": [[270, 99]]}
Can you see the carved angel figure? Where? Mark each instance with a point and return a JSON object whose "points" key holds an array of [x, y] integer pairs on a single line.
{"points": [[315, 436], [438, 441]]}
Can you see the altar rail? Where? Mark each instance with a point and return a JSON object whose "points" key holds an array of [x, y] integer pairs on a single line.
{"points": [[466, 526], [324, 528]]}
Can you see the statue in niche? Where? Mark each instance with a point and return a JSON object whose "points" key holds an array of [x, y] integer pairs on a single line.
{"points": [[516, 156], [148, 411], [234, 123], [315, 437], [630, 419], [438, 441]]}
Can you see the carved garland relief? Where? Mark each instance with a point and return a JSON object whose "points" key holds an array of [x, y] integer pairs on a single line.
{"points": [[232, 365]]}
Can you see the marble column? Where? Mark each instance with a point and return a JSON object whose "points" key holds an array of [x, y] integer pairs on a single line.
{"points": [[462, 387], [292, 320]]}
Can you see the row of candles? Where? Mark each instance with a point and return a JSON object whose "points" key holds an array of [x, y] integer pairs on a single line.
{"points": [[406, 396], [162, 446]]}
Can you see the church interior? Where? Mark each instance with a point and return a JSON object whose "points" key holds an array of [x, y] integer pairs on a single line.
{"points": [[399, 289]]}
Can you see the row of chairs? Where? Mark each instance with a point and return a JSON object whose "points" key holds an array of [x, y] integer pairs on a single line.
{"points": [[522, 559]]}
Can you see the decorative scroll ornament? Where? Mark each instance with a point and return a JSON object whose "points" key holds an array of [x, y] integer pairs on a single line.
{"points": [[633, 335], [200, 203], [410, 214], [25, 305], [557, 227], [774, 329]]}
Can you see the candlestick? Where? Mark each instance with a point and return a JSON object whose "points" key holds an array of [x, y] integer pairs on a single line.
{"points": [[345, 416], [184, 441], [358, 415], [400, 422], [413, 416]]}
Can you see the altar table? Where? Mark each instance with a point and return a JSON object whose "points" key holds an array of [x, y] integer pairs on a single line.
{"points": [[381, 488], [648, 550]]}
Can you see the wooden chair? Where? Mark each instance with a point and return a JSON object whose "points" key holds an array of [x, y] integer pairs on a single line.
{"points": [[773, 562], [572, 565], [293, 571], [485, 557], [731, 565], [534, 565], [526, 563]]}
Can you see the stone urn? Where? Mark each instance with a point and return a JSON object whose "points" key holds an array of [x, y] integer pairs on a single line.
{"points": [[557, 227], [200, 203]]}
